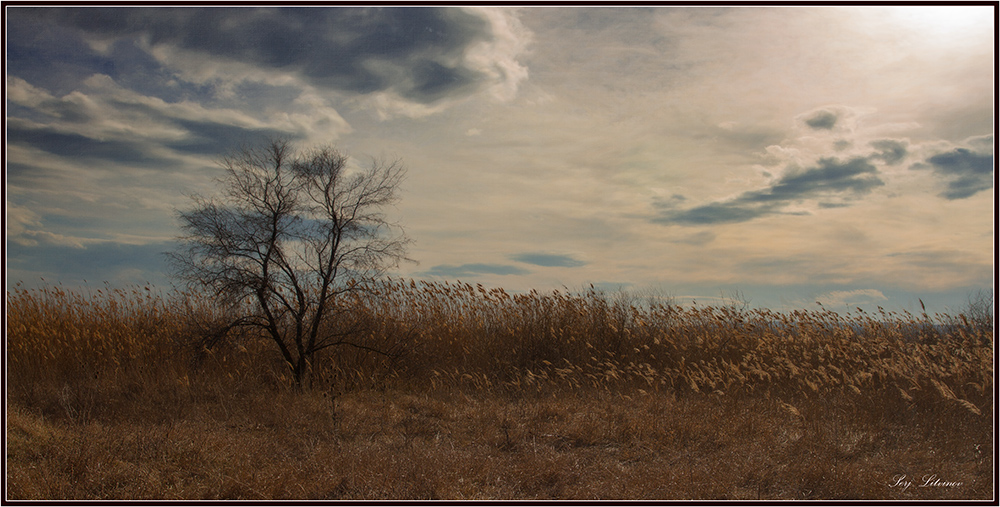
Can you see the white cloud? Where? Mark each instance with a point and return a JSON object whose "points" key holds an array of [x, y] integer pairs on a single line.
{"points": [[21, 92], [99, 104], [388, 105], [498, 58], [25, 228], [312, 116], [223, 74]]}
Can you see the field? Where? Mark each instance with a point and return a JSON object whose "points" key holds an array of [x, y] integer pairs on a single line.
{"points": [[114, 394]]}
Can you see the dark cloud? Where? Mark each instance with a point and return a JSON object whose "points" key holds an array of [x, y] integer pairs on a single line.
{"points": [[889, 151], [669, 203], [204, 137], [76, 146], [852, 178], [416, 52], [965, 171], [822, 120], [856, 176], [51, 109], [59, 59], [449, 271], [433, 81], [211, 138], [717, 213], [55, 59], [22, 174], [548, 260], [134, 69]]}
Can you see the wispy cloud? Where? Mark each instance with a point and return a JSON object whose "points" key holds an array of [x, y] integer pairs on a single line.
{"points": [[26, 228], [455, 271], [67, 144], [548, 260]]}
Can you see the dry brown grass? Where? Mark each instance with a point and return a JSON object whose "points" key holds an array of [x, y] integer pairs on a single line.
{"points": [[499, 396]]}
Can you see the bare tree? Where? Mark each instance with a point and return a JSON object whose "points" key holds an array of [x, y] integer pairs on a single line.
{"points": [[287, 235]]}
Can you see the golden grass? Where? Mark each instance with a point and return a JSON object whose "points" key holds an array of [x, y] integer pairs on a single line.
{"points": [[496, 396]]}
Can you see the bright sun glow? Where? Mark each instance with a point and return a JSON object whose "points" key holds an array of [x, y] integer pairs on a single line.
{"points": [[953, 22]]}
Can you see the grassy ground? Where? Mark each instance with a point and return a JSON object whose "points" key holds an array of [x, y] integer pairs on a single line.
{"points": [[544, 397]]}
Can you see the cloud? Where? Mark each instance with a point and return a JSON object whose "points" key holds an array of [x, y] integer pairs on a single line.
{"points": [[106, 113], [855, 176], [451, 271], [24, 228], [717, 213], [77, 146], [742, 139], [207, 138], [890, 151], [981, 143], [822, 120], [421, 54], [831, 177], [497, 57], [548, 260], [965, 171], [834, 119], [117, 133], [57, 60]]}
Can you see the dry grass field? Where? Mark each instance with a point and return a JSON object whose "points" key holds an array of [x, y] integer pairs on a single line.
{"points": [[490, 395]]}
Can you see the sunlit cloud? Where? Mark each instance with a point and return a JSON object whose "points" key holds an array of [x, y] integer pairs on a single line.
{"points": [[499, 57]]}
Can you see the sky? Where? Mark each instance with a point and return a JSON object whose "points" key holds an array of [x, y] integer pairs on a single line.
{"points": [[787, 155]]}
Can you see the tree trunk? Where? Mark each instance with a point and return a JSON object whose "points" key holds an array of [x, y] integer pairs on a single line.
{"points": [[299, 372]]}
